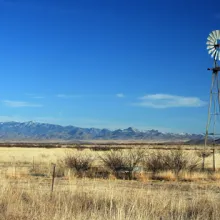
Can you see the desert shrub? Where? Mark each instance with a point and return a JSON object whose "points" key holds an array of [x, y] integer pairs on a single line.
{"points": [[193, 162], [178, 160], [114, 161], [133, 158], [154, 162], [79, 161], [98, 172], [122, 163]]}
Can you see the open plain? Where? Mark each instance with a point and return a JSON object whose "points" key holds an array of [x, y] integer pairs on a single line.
{"points": [[26, 186]]}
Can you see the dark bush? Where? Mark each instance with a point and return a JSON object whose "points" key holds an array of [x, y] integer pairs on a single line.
{"points": [[178, 160], [154, 162], [79, 161], [122, 163]]}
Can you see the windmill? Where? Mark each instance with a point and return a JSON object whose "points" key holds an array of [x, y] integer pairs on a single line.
{"points": [[213, 47]]}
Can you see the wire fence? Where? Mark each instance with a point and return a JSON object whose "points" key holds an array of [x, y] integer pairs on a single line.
{"points": [[34, 177]]}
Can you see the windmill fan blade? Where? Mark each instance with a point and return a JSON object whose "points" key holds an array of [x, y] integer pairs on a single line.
{"points": [[216, 55], [215, 35], [211, 51], [210, 43], [213, 54], [218, 34], [211, 38], [210, 47]]}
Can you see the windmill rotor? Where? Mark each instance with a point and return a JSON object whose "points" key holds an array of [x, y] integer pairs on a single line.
{"points": [[213, 44]]}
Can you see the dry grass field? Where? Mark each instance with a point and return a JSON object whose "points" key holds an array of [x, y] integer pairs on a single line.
{"points": [[108, 199], [26, 181]]}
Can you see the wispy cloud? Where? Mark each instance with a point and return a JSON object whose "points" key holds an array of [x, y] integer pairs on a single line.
{"points": [[120, 95], [19, 104], [66, 96], [169, 101]]}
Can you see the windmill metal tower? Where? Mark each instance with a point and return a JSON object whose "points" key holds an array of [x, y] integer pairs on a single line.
{"points": [[213, 47]]}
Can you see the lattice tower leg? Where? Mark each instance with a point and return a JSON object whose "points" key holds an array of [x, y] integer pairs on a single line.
{"points": [[213, 115]]}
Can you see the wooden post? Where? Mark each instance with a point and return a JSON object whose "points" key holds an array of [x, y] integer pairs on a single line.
{"points": [[53, 177], [203, 162], [213, 151]]}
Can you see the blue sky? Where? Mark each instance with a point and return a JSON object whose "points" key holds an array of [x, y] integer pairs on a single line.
{"points": [[107, 64]]}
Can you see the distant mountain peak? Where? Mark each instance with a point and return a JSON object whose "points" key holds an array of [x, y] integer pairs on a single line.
{"points": [[131, 129], [29, 123], [30, 130]]}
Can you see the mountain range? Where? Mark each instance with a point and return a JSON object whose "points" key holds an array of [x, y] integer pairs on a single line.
{"points": [[34, 131]]}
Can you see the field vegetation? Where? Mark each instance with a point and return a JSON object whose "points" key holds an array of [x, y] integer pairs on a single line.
{"points": [[138, 183]]}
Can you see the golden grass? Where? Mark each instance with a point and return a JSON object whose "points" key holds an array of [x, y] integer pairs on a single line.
{"points": [[106, 199], [25, 192], [166, 176], [27, 155], [38, 155], [215, 176], [195, 176]]}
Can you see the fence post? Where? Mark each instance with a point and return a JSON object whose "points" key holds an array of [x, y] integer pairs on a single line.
{"points": [[213, 151], [203, 162], [53, 177]]}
